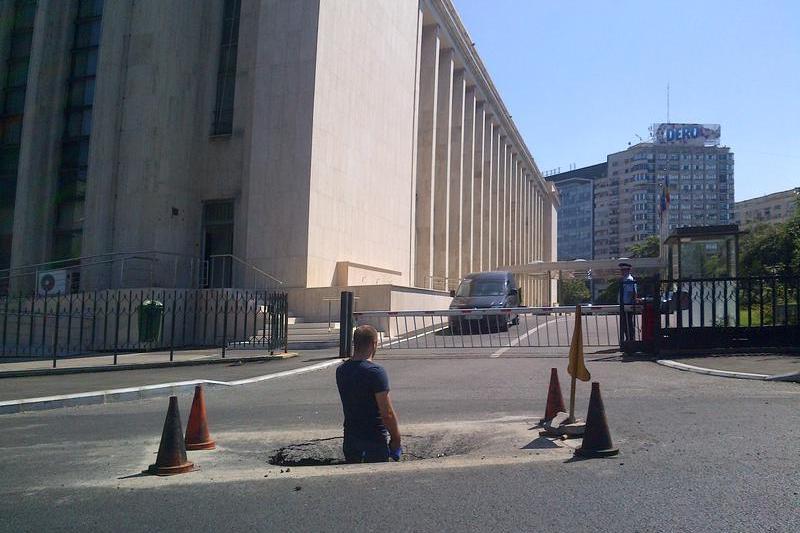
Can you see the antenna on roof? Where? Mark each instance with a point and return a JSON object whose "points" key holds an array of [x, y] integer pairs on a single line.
{"points": [[667, 102]]}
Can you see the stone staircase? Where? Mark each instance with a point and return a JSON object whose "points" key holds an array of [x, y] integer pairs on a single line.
{"points": [[312, 335], [302, 336]]}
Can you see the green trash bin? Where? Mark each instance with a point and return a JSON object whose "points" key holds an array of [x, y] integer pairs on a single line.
{"points": [[150, 314]]}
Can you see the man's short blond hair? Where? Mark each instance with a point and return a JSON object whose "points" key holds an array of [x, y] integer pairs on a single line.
{"points": [[363, 339]]}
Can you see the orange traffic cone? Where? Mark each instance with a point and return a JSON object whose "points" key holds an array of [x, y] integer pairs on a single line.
{"points": [[197, 437], [171, 458], [555, 401], [596, 438]]}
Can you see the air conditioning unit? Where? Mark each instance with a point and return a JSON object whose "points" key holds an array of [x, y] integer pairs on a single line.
{"points": [[51, 282]]}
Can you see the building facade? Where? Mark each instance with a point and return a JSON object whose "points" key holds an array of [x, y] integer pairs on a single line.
{"points": [[683, 160], [681, 177], [323, 143], [577, 197], [772, 208]]}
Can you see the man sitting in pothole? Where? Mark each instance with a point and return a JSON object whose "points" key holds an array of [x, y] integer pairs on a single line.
{"points": [[371, 432]]}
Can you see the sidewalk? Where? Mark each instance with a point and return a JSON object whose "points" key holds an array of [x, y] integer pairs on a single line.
{"points": [[753, 366], [132, 361]]}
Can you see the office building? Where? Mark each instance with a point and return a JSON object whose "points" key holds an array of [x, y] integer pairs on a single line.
{"points": [[577, 198], [772, 208], [323, 143], [684, 159], [630, 200]]}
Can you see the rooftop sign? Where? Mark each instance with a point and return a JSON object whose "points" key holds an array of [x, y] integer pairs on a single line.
{"points": [[693, 134]]}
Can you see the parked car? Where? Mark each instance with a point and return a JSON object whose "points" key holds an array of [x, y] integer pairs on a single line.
{"points": [[485, 290]]}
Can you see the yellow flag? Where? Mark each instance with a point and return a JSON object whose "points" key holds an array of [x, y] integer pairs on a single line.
{"points": [[576, 367]]}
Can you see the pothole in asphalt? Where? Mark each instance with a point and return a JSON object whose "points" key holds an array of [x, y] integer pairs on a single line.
{"points": [[328, 451]]}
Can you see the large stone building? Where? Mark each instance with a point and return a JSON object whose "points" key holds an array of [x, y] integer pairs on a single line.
{"points": [[325, 143], [772, 208]]}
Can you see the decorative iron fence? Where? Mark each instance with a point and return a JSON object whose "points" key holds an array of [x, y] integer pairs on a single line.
{"points": [[131, 320], [729, 312]]}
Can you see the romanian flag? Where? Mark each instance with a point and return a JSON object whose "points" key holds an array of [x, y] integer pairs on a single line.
{"points": [[665, 199]]}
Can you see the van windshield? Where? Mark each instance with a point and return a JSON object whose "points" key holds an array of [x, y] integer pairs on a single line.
{"points": [[471, 287]]}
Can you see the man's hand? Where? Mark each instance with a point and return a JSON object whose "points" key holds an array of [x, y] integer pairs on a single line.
{"points": [[395, 453]]}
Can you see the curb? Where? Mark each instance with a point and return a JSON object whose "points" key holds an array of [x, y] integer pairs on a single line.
{"points": [[140, 393], [791, 376], [139, 366], [710, 371]]}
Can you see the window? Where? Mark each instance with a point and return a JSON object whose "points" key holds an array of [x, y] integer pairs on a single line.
{"points": [[72, 173], [226, 74]]}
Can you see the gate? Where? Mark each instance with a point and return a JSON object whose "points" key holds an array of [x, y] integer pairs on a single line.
{"points": [[744, 312], [492, 328]]}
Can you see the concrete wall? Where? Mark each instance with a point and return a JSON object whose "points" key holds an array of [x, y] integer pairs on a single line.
{"points": [[360, 192], [153, 110], [280, 147], [312, 304]]}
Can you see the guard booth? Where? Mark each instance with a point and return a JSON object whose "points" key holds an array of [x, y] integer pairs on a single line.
{"points": [[696, 288], [705, 304]]}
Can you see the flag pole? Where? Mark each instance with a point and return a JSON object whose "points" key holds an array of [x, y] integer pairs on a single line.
{"points": [[571, 418]]}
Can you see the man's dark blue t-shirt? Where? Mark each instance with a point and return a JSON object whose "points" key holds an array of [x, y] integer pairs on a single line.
{"points": [[358, 382]]}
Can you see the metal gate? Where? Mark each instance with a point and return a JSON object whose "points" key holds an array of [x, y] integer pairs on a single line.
{"points": [[492, 328]]}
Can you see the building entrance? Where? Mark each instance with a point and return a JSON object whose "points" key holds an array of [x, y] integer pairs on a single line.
{"points": [[218, 243]]}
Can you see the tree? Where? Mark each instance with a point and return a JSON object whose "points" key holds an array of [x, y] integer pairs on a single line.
{"points": [[772, 249], [573, 291], [650, 247], [609, 295]]}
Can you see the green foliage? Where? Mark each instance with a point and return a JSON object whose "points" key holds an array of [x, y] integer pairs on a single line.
{"points": [[772, 249], [609, 295], [650, 247], [573, 291]]}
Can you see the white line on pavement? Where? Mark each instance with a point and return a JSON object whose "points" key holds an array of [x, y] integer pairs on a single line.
{"points": [[434, 330], [132, 393], [501, 351], [710, 371]]}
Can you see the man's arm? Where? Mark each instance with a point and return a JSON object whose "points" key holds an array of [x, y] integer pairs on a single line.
{"points": [[389, 418]]}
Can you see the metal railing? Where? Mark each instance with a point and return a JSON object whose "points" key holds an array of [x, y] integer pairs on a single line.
{"points": [[492, 328], [226, 270], [151, 268], [134, 320], [729, 312]]}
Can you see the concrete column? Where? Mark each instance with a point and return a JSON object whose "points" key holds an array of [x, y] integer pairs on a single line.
{"points": [[499, 156], [457, 173], [441, 183], [528, 221], [412, 267], [42, 128], [108, 114], [469, 186], [477, 195], [517, 204], [534, 223], [486, 195], [513, 259], [521, 214], [502, 224], [426, 155]]}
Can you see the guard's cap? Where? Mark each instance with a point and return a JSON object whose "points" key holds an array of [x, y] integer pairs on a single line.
{"points": [[625, 265]]}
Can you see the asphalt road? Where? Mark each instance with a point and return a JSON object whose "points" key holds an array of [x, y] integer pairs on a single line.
{"points": [[698, 453]]}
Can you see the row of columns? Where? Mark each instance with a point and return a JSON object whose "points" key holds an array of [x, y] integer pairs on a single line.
{"points": [[478, 206]]}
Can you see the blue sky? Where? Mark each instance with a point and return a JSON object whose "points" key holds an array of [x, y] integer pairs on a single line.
{"points": [[582, 79]]}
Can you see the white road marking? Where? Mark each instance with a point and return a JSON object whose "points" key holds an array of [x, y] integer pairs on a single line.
{"points": [[105, 396], [516, 341], [434, 330]]}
